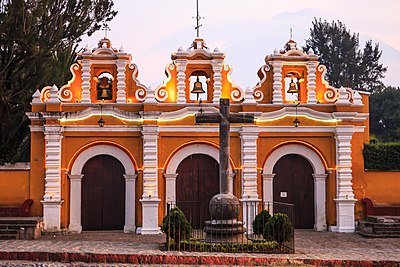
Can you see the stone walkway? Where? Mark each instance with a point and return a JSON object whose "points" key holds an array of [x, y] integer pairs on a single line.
{"points": [[314, 248]]}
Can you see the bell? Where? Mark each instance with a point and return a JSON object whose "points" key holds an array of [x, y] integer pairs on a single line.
{"points": [[293, 88], [104, 93], [197, 87]]}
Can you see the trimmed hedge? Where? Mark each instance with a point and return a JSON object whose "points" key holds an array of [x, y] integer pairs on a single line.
{"points": [[382, 156]]}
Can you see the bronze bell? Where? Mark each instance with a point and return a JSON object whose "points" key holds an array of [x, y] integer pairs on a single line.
{"points": [[104, 93], [197, 87], [293, 88]]}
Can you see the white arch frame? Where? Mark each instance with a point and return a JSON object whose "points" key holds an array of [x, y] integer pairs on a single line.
{"points": [[197, 148], [76, 177], [319, 178]]}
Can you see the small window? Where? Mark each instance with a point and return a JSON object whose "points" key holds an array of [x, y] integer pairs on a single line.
{"points": [[104, 86]]}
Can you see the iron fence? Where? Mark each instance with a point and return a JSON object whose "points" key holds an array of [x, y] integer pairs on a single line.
{"points": [[229, 229]]}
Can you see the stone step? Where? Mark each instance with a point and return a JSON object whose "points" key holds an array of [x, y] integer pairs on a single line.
{"points": [[20, 227], [8, 237], [383, 219], [8, 231], [372, 235]]}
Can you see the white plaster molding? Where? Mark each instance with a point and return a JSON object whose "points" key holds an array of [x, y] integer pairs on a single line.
{"points": [[52, 215], [95, 111], [277, 97], [150, 216], [130, 201], [186, 111], [170, 186], [311, 82], [249, 97], [86, 76], [36, 97], [319, 178], [121, 94], [181, 77], [301, 111], [217, 69], [108, 129], [75, 210], [344, 195], [249, 136]]}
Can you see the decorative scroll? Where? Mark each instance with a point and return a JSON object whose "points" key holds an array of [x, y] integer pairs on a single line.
{"points": [[141, 92], [331, 95], [45, 94], [258, 94], [65, 94], [237, 93], [161, 94]]}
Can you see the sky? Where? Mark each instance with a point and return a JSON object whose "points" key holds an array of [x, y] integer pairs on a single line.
{"points": [[246, 31]]}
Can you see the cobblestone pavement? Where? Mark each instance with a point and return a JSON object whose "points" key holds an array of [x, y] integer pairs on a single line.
{"points": [[309, 245]]}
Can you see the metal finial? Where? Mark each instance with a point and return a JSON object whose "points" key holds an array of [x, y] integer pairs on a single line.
{"points": [[105, 28], [198, 18], [291, 33]]}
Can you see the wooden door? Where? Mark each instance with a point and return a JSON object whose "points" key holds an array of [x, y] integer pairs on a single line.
{"points": [[197, 182], [103, 194], [294, 183]]}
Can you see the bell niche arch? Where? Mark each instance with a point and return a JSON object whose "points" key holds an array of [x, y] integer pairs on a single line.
{"points": [[181, 154], [76, 175], [104, 87], [319, 175]]}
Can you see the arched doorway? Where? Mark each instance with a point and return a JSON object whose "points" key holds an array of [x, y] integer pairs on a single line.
{"points": [[294, 183], [197, 182], [103, 194]]}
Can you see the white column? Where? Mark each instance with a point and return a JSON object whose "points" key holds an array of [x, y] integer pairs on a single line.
{"points": [[121, 95], [268, 191], [230, 181], [277, 84], [249, 136], [311, 82], [85, 81], [217, 69], [150, 175], [344, 192], [130, 187], [75, 213], [320, 201], [170, 186], [181, 67], [52, 192]]}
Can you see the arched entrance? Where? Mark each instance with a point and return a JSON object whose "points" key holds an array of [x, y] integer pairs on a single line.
{"points": [[197, 182], [318, 173], [103, 194], [294, 183], [78, 174]]}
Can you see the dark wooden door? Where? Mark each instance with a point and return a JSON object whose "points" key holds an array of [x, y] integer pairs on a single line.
{"points": [[103, 194], [196, 184], [294, 183]]}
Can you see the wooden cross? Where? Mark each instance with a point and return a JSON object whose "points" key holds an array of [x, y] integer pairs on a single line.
{"points": [[224, 118]]}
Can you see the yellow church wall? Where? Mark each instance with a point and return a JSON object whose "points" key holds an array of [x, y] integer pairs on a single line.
{"points": [[14, 186], [377, 185], [37, 172]]}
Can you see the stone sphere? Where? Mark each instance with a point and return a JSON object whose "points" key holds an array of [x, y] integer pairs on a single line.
{"points": [[224, 206]]}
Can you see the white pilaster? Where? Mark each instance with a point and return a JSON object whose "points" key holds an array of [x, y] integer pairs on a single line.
{"points": [[320, 201], [85, 81], [311, 84], [268, 191], [344, 192], [121, 94], [75, 224], [52, 192], [181, 67], [277, 97], [130, 196], [170, 185], [150, 175], [217, 69], [249, 136]]}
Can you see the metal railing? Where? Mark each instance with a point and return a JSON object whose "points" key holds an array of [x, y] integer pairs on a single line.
{"points": [[230, 232]]}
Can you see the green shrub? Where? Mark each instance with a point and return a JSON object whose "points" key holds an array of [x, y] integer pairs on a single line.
{"points": [[278, 228], [382, 156], [259, 222], [176, 226]]}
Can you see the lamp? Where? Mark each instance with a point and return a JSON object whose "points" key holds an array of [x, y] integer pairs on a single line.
{"points": [[197, 88], [101, 122], [292, 87], [296, 121]]}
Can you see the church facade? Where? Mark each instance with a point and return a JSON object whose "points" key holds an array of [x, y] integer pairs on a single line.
{"points": [[108, 152]]}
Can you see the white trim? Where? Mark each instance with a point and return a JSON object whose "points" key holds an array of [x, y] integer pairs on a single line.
{"points": [[76, 177], [319, 178]]}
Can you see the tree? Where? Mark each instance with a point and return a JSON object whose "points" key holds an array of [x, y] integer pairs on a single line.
{"points": [[37, 41], [346, 64], [385, 114]]}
